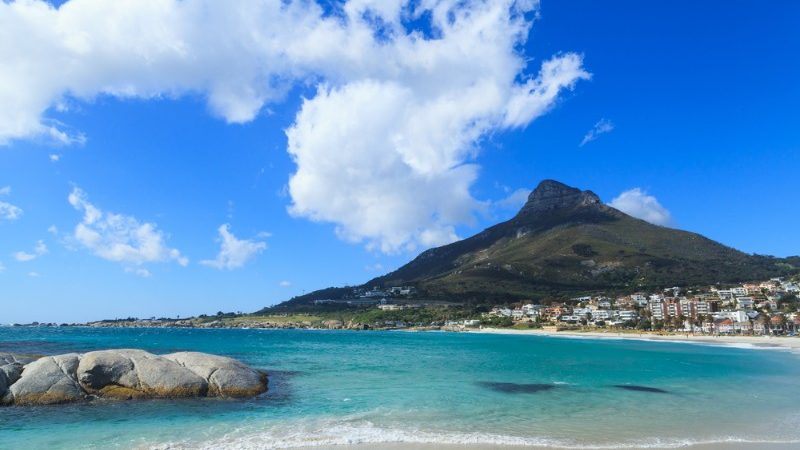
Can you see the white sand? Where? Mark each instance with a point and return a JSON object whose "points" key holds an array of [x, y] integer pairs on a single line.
{"points": [[756, 341]]}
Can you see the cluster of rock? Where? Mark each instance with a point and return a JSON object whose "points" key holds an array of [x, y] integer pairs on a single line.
{"points": [[265, 324], [124, 374]]}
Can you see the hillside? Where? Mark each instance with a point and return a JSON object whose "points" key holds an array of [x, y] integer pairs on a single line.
{"points": [[565, 241]]}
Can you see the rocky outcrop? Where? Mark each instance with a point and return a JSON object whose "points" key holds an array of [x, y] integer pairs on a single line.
{"points": [[226, 377], [551, 195], [132, 373], [47, 381], [11, 370], [126, 374]]}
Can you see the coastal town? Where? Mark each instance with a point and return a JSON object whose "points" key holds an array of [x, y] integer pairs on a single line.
{"points": [[769, 307]]}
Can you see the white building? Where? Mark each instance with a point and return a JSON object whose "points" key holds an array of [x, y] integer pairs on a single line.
{"points": [[639, 299], [581, 312], [503, 312], [656, 310], [736, 316], [531, 310], [745, 302], [725, 294], [601, 314]]}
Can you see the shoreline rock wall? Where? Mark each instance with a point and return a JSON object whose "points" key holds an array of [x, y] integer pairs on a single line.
{"points": [[124, 374]]}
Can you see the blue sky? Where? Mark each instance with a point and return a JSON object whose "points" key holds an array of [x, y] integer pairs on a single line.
{"points": [[337, 152]]}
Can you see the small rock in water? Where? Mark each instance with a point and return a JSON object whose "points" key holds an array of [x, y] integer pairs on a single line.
{"points": [[633, 387], [517, 388]]}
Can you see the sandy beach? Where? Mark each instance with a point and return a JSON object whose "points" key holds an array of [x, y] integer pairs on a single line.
{"points": [[403, 446], [755, 341]]}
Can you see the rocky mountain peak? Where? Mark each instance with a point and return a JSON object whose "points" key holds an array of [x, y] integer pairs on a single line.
{"points": [[551, 195]]}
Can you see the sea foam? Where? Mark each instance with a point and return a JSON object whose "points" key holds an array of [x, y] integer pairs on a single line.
{"points": [[365, 434]]}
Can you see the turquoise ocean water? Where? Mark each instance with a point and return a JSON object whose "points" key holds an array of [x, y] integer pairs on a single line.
{"points": [[338, 387]]}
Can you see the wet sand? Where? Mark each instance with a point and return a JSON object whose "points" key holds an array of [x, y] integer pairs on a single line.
{"points": [[715, 446]]}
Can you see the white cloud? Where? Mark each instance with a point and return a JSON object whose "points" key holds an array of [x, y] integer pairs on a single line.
{"points": [[140, 271], [38, 250], [54, 157], [405, 134], [23, 256], [384, 149], [285, 283], [602, 127], [2, 267], [34, 274], [639, 204], [401, 173], [7, 210], [52, 229], [233, 252], [120, 238]]}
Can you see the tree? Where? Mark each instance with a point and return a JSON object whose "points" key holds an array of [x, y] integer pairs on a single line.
{"points": [[698, 321], [782, 322], [680, 321]]}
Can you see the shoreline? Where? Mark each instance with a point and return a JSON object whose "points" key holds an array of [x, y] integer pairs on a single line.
{"points": [[754, 342], [433, 446], [763, 342]]}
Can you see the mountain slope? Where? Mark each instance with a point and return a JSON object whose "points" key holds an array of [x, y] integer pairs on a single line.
{"points": [[565, 240]]}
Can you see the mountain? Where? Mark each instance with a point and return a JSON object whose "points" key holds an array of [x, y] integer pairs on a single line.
{"points": [[564, 241]]}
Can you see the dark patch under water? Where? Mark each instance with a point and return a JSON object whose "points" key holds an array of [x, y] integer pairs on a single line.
{"points": [[637, 388], [516, 388]]}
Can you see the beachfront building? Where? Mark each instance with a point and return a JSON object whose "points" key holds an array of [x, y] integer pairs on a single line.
{"points": [[501, 311], [736, 316], [554, 312], [602, 314], [532, 310], [626, 315], [657, 309]]}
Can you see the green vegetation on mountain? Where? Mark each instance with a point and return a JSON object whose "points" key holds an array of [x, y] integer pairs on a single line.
{"points": [[565, 241]]}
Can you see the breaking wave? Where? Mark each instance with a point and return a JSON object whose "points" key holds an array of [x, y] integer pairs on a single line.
{"points": [[367, 434]]}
